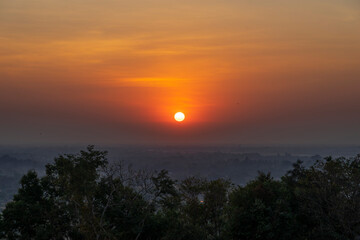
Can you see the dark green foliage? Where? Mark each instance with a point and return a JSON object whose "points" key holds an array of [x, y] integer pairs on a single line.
{"points": [[261, 210], [328, 197], [72, 183], [79, 198], [215, 200], [23, 218], [83, 197]]}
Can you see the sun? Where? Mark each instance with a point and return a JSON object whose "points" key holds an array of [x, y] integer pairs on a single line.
{"points": [[179, 116]]}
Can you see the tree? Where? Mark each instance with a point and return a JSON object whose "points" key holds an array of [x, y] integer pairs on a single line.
{"points": [[26, 217], [80, 197], [328, 196], [200, 213], [261, 210], [71, 183], [215, 202]]}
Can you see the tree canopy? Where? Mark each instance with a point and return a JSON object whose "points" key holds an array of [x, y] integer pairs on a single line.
{"points": [[82, 196]]}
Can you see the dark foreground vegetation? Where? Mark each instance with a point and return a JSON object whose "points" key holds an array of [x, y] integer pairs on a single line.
{"points": [[82, 196]]}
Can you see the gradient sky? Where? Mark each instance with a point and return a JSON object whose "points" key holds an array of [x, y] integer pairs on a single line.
{"points": [[116, 71]]}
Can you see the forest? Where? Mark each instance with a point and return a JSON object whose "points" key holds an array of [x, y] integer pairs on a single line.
{"points": [[83, 196]]}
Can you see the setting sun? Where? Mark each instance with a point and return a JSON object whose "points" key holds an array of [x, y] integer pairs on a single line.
{"points": [[179, 116]]}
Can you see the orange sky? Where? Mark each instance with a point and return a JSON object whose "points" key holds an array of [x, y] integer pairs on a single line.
{"points": [[115, 71]]}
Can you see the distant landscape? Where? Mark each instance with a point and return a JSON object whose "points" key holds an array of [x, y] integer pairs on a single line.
{"points": [[237, 163]]}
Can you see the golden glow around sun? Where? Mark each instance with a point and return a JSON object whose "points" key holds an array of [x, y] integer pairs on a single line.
{"points": [[179, 116]]}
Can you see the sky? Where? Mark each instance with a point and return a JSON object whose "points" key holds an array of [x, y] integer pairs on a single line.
{"points": [[242, 71]]}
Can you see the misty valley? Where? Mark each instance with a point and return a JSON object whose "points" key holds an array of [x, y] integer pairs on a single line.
{"points": [[239, 164]]}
